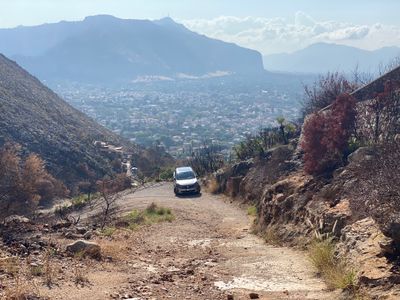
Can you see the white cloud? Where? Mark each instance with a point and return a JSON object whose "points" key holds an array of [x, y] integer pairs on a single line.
{"points": [[349, 33], [302, 19], [280, 35]]}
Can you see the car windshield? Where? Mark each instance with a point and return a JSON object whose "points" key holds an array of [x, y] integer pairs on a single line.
{"points": [[185, 175]]}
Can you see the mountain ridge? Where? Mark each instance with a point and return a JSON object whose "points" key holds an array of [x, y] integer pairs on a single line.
{"points": [[105, 48], [324, 57]]}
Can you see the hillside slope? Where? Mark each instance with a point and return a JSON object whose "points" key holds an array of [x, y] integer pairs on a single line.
{"points": [[41, 122], [107, 49]]}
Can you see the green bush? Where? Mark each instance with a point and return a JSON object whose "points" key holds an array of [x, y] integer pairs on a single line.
{"points": [[152, 214], [166, 174], [252, 210], [108, 231]]}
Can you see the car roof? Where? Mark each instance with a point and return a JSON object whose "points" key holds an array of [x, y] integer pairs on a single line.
{"points": [[183, 169]]}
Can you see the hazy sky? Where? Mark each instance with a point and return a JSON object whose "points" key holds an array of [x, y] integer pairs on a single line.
{"points": [[266, 25]]}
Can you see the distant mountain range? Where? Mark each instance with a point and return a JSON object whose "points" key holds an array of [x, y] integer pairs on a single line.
{"points": [[103, 49], [41, 122], [323, 57]]}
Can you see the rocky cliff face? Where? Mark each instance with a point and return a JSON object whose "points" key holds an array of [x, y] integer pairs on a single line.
{"points": [[294, 206]]}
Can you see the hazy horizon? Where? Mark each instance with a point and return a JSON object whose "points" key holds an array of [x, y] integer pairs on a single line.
{"points": [[266, 26]]}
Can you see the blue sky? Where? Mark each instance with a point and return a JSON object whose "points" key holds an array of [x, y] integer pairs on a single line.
{"points": [[266, 25]]}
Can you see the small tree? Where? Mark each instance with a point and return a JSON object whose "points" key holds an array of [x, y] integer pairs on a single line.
{"points": [[281, 121], [109, 188], [88, 186], [9, 179]]}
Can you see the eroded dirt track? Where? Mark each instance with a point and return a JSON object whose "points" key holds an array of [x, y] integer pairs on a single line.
{"points": [[207, 252]]}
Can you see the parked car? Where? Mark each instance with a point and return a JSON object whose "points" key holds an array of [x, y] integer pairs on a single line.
{"points": [[185, 181]]}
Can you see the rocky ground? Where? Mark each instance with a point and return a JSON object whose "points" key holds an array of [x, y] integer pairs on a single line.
{"points": [[207, 252], [356, 208]]}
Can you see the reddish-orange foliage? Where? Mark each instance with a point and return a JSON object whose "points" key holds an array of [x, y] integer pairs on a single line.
{"points": [[326, 135], [23, 183]]}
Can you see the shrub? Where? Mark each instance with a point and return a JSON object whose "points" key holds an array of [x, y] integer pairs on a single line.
{"points": [[23, 183], [108, 231], [152, 214], [326, 136], [271, 236], [88, 187], [213, 186], [166, 174], [252, 210], [206, 159], [257, 145], [324, 91]]}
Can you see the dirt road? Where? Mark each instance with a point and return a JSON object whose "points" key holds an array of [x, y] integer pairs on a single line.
{"points": [[207, 252]]}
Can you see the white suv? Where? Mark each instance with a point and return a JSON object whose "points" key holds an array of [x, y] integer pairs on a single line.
{"points": [[185, 181]]}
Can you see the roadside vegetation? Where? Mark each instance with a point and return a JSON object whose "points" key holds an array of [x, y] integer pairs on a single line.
{"points": [[331, 135], [207, 159], [335, 271], [166, 174], [252, 210], [257, 145], [152, 214]]}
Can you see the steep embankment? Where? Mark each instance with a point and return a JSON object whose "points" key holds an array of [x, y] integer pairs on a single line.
{"points": [[41, 122], [294, 207]]}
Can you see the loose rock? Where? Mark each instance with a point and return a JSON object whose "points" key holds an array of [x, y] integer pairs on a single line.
{"points": [[88, 248]]}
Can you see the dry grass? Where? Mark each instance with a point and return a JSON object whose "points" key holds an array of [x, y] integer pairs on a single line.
{"points": [[36, 270], [334, 270], [79, 275], [48, 268], [114, 249], [213, 186], [10, 265], [271, 236], [19, 288], [118, 248]]}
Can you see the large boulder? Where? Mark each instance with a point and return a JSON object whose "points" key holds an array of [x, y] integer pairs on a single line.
{"points": [[84, 247]]}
